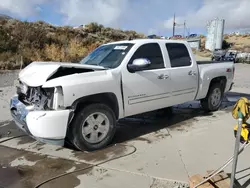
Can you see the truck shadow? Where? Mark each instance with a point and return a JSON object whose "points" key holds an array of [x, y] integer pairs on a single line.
{"points": [[132, 128]]}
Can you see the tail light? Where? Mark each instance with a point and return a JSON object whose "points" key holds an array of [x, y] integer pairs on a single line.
{"points": [[230, 70]]}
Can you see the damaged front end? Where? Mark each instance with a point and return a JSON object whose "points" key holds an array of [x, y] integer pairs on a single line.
{"points": [[39, 107], [40, 112], [38, 98]]}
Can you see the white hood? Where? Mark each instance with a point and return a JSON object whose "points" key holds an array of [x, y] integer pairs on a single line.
{"points": [[37, 73]]}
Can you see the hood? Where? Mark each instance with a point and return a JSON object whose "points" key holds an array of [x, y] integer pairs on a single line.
{"points": [[37, 73]]}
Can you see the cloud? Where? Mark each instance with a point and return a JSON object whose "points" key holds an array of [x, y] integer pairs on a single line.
{"points": [[147, 16], [21, 8], [106, 12], [152, 31], [235, 13]]}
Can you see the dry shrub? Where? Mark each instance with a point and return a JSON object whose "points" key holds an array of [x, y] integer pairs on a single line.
{"points": [[76, 50], [93, 27], [30, 55], [247, 48], [54, 53], [92, 47], [6, 65], [203, 53], [9, 61]]}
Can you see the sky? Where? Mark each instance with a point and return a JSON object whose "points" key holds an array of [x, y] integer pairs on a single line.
{"points": [[145, 16]]}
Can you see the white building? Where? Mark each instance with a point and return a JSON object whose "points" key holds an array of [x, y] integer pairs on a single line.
{"points": [[215, 32], [194, 43]]}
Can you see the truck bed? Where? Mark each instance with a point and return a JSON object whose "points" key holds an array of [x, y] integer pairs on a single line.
{"points": [[213, 69], [210, 62]]}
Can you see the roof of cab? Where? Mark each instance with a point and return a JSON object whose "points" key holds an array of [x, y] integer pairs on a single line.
{"points": [[142, 41]]}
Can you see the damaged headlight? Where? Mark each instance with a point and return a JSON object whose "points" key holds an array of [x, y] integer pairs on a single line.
{"points": [[54, 98], [23, 88], [49, 93]]}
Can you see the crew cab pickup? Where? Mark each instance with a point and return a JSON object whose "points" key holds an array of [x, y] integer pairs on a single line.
{"points": [[83, 101]]}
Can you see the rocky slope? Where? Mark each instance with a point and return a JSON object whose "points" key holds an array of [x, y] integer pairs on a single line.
{"points": [[40, 41]]}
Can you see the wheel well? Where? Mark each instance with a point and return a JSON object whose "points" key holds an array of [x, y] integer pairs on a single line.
{"points": [[219, 80], [109, 99]]}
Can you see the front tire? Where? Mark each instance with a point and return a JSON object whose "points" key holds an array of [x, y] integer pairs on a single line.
{"points": [[214, 98], [93, 127]]}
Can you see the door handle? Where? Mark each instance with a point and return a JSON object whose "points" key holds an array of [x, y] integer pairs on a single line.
{"points": [[192, 73], [163, 76]]}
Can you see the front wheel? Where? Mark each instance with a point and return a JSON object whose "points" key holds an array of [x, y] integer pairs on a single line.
{"points": [[93, 127], [214, 98]]}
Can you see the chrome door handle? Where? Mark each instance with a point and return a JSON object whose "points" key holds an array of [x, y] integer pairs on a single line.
{"points": [[192, 73], [163, 76]]}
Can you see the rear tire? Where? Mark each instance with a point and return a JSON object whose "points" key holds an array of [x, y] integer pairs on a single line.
{"points": [[214, 98], [93, 127]]}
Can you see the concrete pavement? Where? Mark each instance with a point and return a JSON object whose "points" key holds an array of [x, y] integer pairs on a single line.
{"points": [[168, 151]]}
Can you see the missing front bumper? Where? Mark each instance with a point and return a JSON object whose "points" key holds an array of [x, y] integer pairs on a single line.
{"points": [[19, 112]]}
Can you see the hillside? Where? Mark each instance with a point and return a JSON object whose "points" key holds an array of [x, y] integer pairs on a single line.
{"points": [[40, 41], [3, 16], [240, 42]]}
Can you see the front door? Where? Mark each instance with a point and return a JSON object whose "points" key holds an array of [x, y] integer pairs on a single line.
{"points": [[149, 89]]}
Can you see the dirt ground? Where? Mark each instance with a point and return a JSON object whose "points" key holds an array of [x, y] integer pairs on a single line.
{"points": [[151, 150]]}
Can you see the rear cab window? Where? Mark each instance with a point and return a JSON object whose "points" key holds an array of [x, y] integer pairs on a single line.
{"points": [[178, 55]]}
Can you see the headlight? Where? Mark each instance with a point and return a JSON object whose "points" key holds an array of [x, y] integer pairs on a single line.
{"points": [[49, 93], [21, 88], [24, 88], [54, 98]]}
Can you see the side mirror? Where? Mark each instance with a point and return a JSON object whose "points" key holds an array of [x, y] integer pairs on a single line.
{"points": [[138, 65]]}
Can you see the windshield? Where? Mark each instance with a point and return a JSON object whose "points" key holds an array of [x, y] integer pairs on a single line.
{"points": [[108, 56]]}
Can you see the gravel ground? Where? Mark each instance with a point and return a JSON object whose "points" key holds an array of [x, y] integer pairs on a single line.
{"points": [[7, 78]]}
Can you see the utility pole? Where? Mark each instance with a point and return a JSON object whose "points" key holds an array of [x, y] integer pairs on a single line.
{"points": [[174, 26], [184, 29]]}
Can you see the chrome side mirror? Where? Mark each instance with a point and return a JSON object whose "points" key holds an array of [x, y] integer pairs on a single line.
{"points": [[138, 65]]}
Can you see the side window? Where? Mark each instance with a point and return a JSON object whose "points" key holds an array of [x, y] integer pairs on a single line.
{"points": [[151, 51], [178, 55]]}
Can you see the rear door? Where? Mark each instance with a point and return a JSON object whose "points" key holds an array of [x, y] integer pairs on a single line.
{"points": [[183, 72], [149, 89]]}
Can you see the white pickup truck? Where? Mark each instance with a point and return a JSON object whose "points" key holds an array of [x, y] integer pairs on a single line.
{"points": [[83, 101]]}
